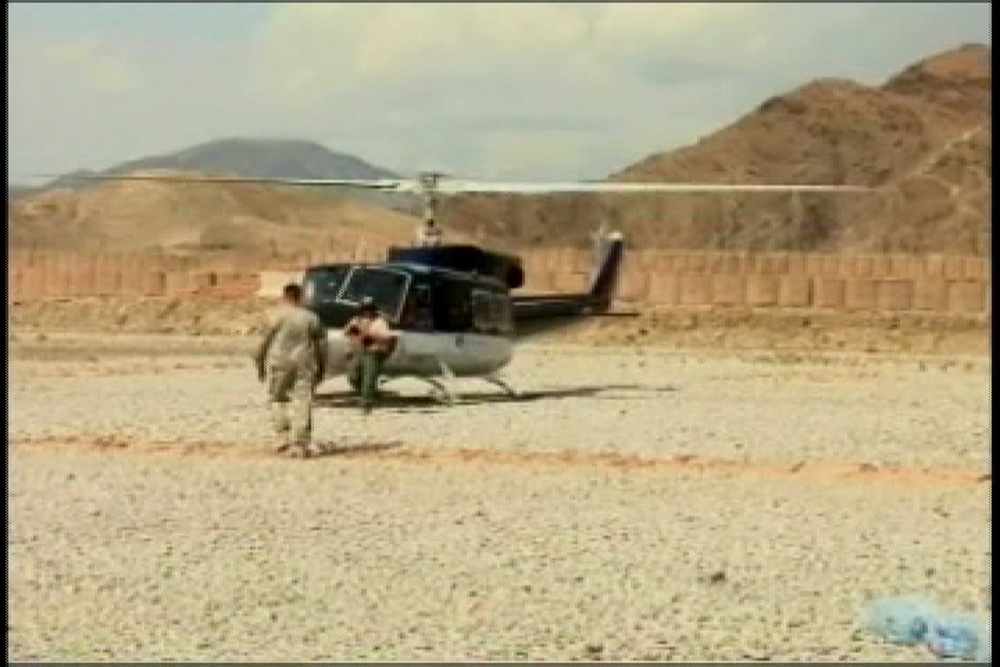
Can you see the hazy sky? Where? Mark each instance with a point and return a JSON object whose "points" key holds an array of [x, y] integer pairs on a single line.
{"points": [[489, 90]]}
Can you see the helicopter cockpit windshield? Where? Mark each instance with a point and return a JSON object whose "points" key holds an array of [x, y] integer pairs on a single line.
{"points": [[386, 287]]}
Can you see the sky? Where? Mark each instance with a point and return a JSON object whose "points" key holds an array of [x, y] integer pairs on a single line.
{"points": [[529, 91]]}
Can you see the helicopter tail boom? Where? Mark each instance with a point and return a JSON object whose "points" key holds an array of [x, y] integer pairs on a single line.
{"points": [[539, 313]]}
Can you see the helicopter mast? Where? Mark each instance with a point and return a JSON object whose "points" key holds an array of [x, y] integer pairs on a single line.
{"points": [[429, 234]]}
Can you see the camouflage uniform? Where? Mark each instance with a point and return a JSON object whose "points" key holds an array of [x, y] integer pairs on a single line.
{"points": [[291, 359]]}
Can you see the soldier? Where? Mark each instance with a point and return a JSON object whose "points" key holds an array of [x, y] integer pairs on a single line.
{"points": [[291, 359], [372, 341]]}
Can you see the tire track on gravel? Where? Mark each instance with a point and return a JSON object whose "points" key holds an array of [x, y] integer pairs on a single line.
{"points": [[484, 457]]}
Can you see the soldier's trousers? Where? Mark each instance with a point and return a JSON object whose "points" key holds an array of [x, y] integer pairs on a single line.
{"points": [[366, 367], [290, 394]]}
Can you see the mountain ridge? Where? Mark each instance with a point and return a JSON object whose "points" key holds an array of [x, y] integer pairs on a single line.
{"points": [[260, 157], [922, 136]]}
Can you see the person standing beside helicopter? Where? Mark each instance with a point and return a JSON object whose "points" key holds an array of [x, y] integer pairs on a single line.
{"points": [[291, 359], [372, 341]]}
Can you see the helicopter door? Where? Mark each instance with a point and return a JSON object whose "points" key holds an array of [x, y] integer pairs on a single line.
{"points": [[453, 318], [418, 313]]}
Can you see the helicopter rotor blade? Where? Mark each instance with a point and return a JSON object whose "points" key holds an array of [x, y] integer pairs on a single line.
{"points": [[388, 184], [451, 186], [485, 187]]}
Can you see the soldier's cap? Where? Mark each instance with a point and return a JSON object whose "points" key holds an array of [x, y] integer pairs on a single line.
{"points": [[367, 305]]}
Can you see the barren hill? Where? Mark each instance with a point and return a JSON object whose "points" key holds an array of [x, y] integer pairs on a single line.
{"points": [[923, 136], [130, 215], [958, 79], [266, 158], [255, 157], [15, 191]]}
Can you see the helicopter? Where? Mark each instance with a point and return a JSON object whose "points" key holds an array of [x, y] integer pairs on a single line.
{"points": [[453, 306]]}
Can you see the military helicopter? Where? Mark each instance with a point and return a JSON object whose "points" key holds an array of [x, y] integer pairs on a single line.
{"points": [[453, 306]]}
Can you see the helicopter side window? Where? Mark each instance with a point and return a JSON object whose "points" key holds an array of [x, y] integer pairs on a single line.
{"points": [[460, 314], [501, 315], [492, 312], [322, 284], [496, 313], [482, 312], [453, 307], [418, 312], [489, 312], [504, 313]]}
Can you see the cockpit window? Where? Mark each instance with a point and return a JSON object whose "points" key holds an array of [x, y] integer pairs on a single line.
{"points": [[387, 288], [322, 285]]}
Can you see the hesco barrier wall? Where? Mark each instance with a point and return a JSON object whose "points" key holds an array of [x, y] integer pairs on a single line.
{"points": [[939, 284]]}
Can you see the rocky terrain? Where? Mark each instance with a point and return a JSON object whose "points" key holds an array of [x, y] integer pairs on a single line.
{"points": [[922, 138], [631, 505], [200, 217]]}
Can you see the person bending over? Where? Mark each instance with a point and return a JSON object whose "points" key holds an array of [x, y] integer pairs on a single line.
{"points": [[372, 341]]}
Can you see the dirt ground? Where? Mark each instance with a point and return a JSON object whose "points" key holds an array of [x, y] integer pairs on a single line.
{"points": [[150, 518]]}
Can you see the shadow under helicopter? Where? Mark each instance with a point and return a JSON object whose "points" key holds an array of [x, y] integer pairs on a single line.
{"points": [[396, 401]]}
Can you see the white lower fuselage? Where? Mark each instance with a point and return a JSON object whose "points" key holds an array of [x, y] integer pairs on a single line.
{"points": [[422, 354]]}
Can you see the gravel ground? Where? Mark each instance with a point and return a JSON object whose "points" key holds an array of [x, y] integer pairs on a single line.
{"points": [[148, 521]]}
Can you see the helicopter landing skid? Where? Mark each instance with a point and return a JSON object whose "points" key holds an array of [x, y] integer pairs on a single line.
{"points": [[449, 375], [494, 380], [439, 391]]}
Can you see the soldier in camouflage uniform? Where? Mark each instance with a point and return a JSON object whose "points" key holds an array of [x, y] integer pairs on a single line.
{"points": [[291, 359]]}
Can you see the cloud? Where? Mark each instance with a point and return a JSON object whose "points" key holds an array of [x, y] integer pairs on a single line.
{"points": [[337, 47], [618, 79], [526, 90], [86, 65], [482, 73], [89, 98], [96, 63], [54, 88]]}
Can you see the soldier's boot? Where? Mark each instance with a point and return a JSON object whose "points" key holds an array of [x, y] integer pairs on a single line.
{"points": [[281, 425], [283, 440], [302, 439]]}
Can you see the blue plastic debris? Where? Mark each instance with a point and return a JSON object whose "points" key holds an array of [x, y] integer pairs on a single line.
{"points": [[913, 620], [901, 620], [955, 636]]}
